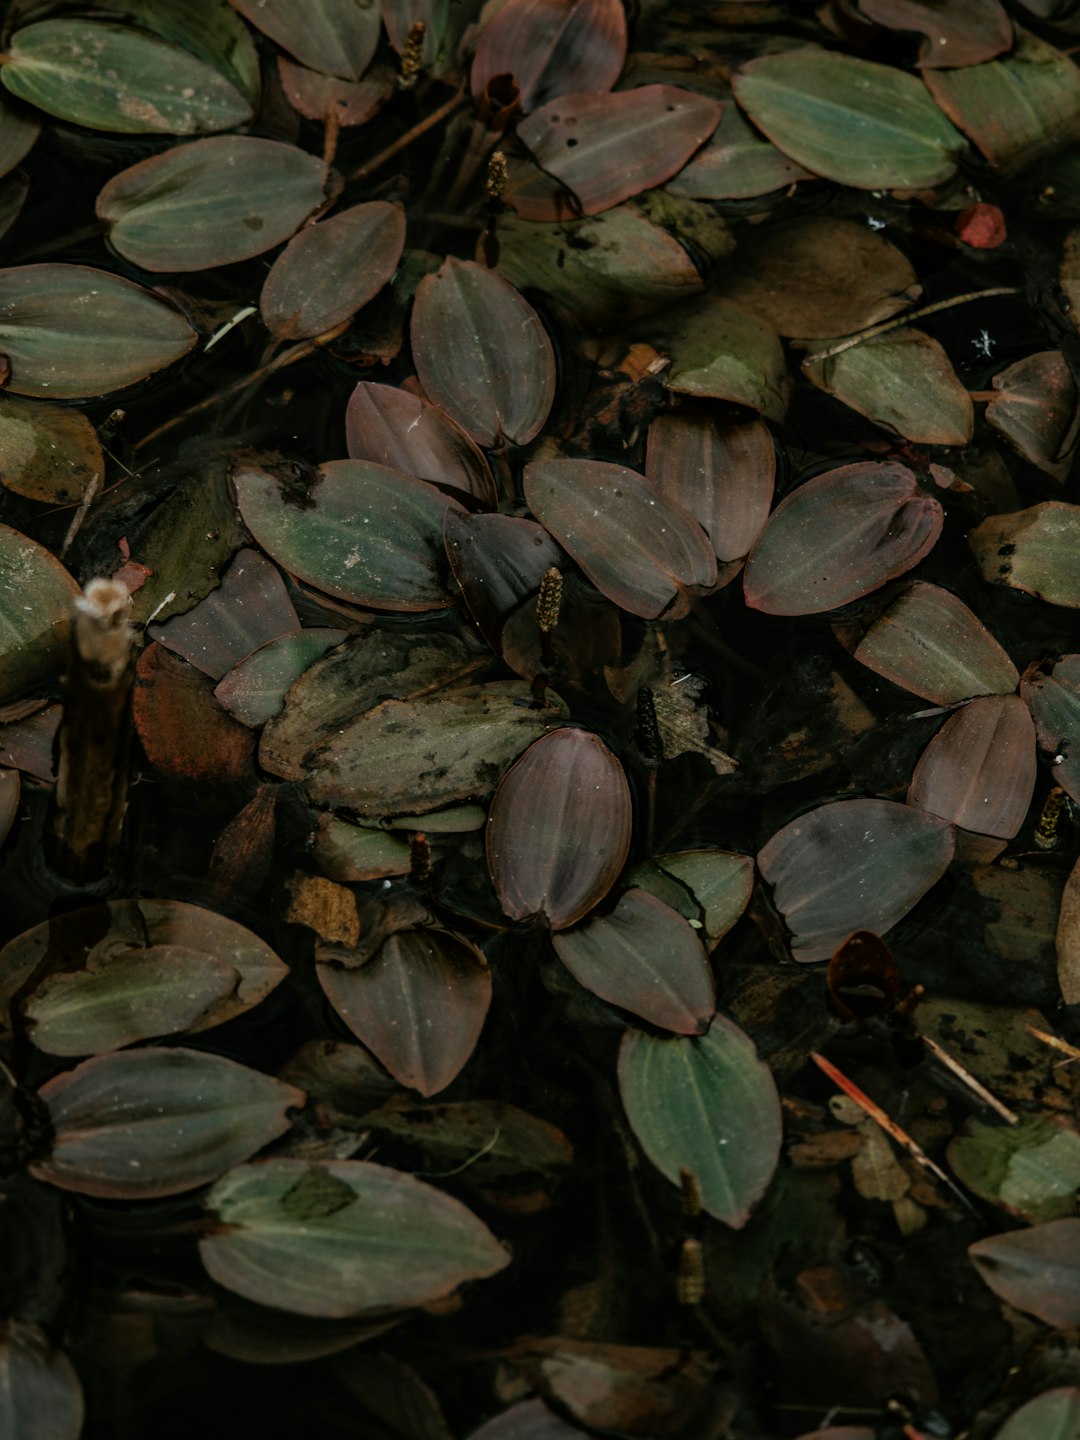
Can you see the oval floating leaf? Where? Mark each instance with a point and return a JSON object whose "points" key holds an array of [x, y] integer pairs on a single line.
{"points": [[559, 829], [47, 453], [482, 353], [1068, 939], [212, 202], [820, 276], [1036, 410], [391, 426], [1054, 701], [904, 382], [1036, 1270], [706, 1104], [721, 351], [351, 102], [418, 1006], [1031, 1169], [498, 560], [722, 474], [40, 1394], [406, 757], [73, 333], [966, 33], [838, 537], [1033, 550], [1017, 107], [117, 77], [929, 642], [337, 37], [255, 689], [852, 865], [979, 769], [331, 269], [1053, 1415], [592, 151], [639, 549], [645, 958], [125, 995], [341, 1238], [735, 164], [552, 47], [81, 938], [33, 636], [709, 888], [849, 119], [145, 1123], [366, 533]]}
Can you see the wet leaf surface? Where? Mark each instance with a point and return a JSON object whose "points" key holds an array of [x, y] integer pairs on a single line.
{"points": [[1036, 1270], [337, 37], [393, 427], [145, 1123], [552, 47], [316, 1238], [1032, 550], [979, 770], [706, 1104], [50, 454], [838, 537], [1036, 410]]}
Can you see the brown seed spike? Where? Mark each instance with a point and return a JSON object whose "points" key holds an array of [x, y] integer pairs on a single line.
{"points": [[498, 175], [549, 601], [412, 55], [691, 1194], [420, 865], [691, 1280]]}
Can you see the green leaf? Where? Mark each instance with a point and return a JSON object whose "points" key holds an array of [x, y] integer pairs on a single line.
{"points": [[19, 129], [124, 995], [71, 332], [411, 756], [904, 382], [36, 599], [929, 642], [721, 351], [146, 1123], [395, 1243], [849, 120], [89, 941], [212, 202], [366, 533], [1053, 1415], [210, 29], [111, 77], [47, 453], [1054, 701], [1015, 108], [1033, 550], [709, 888], [1031, 1169], [347, 852], [705, 1104], [735, 164], [255, 689]]}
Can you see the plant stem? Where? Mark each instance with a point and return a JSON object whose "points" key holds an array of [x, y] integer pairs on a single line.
{"points": [[403, 141], [906, 318]]}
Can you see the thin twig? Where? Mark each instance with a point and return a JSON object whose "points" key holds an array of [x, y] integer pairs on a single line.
{"points": [[966, 1078], [403, 141], [894, 1132], [906, 318], [1055, 1042]]}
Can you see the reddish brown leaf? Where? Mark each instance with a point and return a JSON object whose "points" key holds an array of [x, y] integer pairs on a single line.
{"points": [[863, 977], [721, 473], [963, 32], [1037, 1270], [838, 537], [559, 829], [552, 47], [645, 958], [393, 427], [184, 731], [594, 151], [498, 560], [979, 769], [639, 549], [316, 95], [482, 353], [418, 1006]]}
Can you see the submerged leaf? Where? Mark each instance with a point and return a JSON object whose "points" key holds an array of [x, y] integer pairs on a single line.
{"points": [[706, 1104], [1036, 1270], [395, 1243]]}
